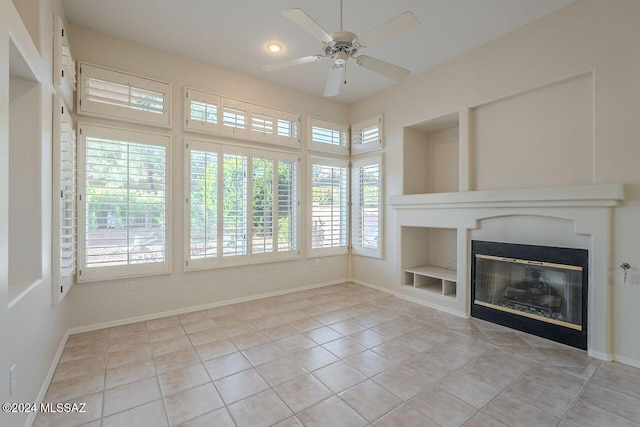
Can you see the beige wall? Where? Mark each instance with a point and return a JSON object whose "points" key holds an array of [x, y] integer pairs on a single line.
{"points": [[94, 303], [576, 72], [31, 329]]}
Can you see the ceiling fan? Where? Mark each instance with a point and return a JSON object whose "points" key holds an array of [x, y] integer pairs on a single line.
{"points": [[341, 46]]}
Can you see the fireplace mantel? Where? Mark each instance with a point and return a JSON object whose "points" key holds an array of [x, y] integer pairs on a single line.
{"points": [[579, 195], [581, 212]]}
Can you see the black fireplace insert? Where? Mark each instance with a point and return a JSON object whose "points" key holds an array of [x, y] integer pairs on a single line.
{"points": [[541, 290]]}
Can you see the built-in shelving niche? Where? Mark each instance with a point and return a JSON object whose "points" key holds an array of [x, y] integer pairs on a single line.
{"points": [[428, 258], [25, 180], [431, 153]]}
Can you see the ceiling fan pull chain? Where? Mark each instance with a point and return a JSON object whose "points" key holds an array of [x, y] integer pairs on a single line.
{"points": [[345, 72]]}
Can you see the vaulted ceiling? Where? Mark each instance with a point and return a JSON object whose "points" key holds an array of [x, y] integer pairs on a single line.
{"points": [[233, 34]]}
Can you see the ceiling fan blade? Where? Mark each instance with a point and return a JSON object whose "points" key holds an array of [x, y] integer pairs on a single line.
{"points": [[304, 21], [291, 62], [334, 80], [393, 27], [381, 67]]}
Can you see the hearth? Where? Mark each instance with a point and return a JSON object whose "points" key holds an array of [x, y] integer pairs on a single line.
{"points": [[540, 290]]}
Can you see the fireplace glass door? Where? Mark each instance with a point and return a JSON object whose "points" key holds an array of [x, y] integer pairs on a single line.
{"points": [[543, 291]]}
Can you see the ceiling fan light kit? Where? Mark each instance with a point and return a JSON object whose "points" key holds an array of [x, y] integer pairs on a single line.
{"points": [[341, 46]]}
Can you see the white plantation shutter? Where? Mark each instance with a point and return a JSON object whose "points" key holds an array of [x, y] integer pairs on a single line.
{"points": [[235, 118], [202, 171], [329, 206], [287, 129], [262, 124], [327, 136], [252, 193], [367, 135], [64, 75], [121, 96], [64, 201], [366, 210], [287, 205], [235, 205], [262, 210], [123, 209], [203, 111]]}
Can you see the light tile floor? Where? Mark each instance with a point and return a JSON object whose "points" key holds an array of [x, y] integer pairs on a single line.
{"points": [[343, 355]]}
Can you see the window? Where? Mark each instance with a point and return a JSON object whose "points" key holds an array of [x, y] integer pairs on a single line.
{"points": [[328, 136], [287, 129], [234, 203], [366, 210], [251, 193], [235, 118], [262, 124], [123, 205], [367, 135], [64, 199], [203, 111], [121, 96], [329, 206]]}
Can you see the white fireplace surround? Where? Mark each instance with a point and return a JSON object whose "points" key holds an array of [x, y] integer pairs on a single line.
{"points": [[588, 208]]}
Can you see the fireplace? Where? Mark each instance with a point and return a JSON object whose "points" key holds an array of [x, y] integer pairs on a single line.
{"points": [[540, 290]]}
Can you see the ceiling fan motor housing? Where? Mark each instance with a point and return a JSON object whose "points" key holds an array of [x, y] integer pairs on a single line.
{"points": [[342, 46]]}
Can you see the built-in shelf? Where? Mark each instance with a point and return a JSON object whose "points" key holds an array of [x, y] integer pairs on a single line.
{"points": [[431, 151], [431, 278]]}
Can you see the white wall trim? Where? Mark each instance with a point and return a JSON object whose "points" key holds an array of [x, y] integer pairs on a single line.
{"points": [[114, 323], [431, 305], [626, 361], [411, 299], [48, 378], [372, 286]]}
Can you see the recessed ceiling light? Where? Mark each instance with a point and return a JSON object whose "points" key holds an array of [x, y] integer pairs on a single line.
{"points": [[274, 47]]}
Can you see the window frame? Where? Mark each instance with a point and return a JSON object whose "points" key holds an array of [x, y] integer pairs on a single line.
{"points": [[356, 247], [220, 148], [357, 130], [334, 250], [87, 107], [321, 147], [93, 274]]}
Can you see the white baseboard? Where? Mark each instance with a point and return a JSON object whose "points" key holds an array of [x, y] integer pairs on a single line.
{"points": [[431, 305], [606, 357], [48, 378], [408, 298], [626, 361], [127, 321], [371, 285]]}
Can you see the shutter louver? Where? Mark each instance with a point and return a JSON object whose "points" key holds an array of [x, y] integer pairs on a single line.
{"points": [[64, 67], [262, 205], [287, 212], [235, 118], [203, 204], [64, 201], [329, 194], [328, 136], [366, 206], [203, 112], [234, 200], [367, 135], [122, 96]]}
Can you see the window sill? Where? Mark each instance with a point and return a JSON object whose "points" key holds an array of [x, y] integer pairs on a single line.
{"points": [[216, 264]]}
